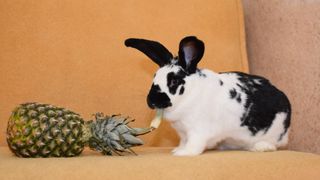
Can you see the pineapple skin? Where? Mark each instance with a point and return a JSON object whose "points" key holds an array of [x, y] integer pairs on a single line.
{"points": [[43, 130]]}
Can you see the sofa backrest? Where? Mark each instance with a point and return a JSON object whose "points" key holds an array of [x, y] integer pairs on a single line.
{"points": [[72, 53]]}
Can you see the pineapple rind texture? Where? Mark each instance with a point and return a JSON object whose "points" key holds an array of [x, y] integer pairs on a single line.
{"points": [[43, 130]]}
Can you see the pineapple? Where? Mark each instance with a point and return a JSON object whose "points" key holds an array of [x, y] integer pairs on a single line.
{"points": [[43, 130]]}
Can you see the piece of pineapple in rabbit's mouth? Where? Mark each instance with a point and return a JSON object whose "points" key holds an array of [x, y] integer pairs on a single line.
{"points": [[156, 121]]}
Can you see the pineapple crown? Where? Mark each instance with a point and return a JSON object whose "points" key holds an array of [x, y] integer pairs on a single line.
{"points": [[112, 134]]}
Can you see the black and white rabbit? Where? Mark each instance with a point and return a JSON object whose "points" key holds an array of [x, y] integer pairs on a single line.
{"points": [[231, 110]]}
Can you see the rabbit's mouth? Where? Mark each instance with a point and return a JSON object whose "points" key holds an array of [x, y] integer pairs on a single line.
{"points": [[158, 99]]}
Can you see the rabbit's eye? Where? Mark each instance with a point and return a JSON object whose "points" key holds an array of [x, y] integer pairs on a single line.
{"points": [[174, 80]]}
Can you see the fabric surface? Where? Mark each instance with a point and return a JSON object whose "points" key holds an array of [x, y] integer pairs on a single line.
{"points": [[158, 163], [72, 53], [283, 40]]}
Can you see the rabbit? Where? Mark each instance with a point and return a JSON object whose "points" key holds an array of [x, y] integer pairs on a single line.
{"points": [[209, 110]]}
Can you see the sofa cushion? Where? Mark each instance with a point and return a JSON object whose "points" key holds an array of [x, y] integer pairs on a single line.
{"points": [[158, 163]]}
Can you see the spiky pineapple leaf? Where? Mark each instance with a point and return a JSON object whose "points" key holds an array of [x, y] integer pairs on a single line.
{"points": [[112, 134]]}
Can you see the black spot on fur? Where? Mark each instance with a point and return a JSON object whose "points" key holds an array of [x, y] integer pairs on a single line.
{"points": [[158, 99], [201, 74], [239, 98], [233, 93], [174, 80], [263, 102], [221, 83], [181, 90], [286, 124]]}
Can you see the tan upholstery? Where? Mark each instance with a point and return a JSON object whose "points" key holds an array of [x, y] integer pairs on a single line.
{"points": [[71, 54], [157, 163]]}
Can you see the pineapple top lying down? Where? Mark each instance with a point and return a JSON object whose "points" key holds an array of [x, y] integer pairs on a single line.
{"points": [[43, 130]]}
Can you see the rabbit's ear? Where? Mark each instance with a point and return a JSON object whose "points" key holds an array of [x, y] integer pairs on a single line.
{"points": [[154, 50], [191, 51]]}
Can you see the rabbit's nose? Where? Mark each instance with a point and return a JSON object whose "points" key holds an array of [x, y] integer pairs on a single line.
{"points": [[150, 103]]}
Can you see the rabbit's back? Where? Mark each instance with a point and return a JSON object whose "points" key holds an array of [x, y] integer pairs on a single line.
{"points": [[262, 103]]}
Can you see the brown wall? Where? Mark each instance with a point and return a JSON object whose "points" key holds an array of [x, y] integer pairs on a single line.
{"points": [[283, 42]]}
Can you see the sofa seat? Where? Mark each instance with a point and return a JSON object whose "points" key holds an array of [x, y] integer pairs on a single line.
{"points": [[158, 163]]}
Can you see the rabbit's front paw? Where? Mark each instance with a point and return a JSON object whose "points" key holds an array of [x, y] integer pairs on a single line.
{"points": [[186, 152], [176, 149], [194, 145], [181, 145]]}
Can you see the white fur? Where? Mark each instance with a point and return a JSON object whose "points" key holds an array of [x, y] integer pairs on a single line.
{"points": [[205, 117]]}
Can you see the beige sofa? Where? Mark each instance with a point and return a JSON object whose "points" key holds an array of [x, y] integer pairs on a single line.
{"points": [[71, 54]]}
